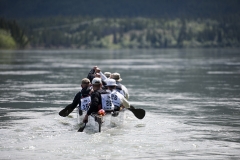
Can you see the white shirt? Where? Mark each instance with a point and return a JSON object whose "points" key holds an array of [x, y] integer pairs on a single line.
{"points": [[123, 101], [125, 90]]}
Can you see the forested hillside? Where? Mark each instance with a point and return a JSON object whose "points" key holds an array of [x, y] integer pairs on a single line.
{"points": [[133, 33], [11, 35]]}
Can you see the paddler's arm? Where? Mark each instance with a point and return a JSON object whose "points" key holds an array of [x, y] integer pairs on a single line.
{"points": [[76, 100], [69, 108], [93, 107], [103, 77], [125, 103], [91, 75], [125, 90]]}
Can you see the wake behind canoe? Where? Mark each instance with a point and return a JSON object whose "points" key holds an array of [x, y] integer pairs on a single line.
{"points": [[97, 122]]}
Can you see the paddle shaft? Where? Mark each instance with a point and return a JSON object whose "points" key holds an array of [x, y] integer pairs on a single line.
{"points": [[82, 128]]}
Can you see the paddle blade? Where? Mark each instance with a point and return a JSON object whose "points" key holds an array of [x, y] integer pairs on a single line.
{"points": [[83, 125], [66, 111], [139, 113], [63, 113]]}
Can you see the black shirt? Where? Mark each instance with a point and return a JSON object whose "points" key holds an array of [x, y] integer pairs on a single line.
{"points": [[85, 92], [96, 101]]}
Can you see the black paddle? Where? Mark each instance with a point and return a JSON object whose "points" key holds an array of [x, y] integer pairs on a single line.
{"points": [[139, 113], [83, 125], [66, 111]]}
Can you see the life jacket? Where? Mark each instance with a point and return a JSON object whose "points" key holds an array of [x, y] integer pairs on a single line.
{"points": [[85, 99], [106, 101], [116, 98]]}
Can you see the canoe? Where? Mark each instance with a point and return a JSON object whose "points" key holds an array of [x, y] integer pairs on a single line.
{"points": [[97, 122]]}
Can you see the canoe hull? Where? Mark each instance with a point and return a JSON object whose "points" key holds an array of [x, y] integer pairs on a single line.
{"points": [[98, 123]]}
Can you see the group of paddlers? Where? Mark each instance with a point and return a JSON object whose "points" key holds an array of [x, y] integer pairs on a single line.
{"points": [[100, 93]]}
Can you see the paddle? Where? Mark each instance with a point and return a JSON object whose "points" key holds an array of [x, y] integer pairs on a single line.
{"points": [[66, 111], [139, 113], [83, 125]]}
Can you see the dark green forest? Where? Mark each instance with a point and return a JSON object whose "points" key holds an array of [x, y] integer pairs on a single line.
{"points": [[117, 33], [125, 24]]}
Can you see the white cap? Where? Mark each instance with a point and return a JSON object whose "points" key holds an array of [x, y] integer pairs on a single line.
{"points": [[111, 82], [96, 81]]}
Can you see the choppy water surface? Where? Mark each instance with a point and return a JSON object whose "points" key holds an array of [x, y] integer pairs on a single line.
{"points": [[192, 100]]}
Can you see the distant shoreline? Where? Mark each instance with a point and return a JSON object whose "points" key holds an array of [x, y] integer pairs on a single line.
{"points": [[126, 33]]}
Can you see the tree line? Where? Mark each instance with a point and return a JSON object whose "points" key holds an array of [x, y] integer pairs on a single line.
{"points": [[116, 33], [86, 32]]}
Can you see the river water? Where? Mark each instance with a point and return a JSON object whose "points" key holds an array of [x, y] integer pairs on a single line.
{"points": [[191, 98]]}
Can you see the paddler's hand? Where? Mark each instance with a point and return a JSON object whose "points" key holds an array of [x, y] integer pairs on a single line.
{"points": [[97, 70], [95, 67]]}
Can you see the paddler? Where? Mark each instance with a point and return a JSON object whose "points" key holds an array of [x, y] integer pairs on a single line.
{"points": [[82, 98], [100, 99], [94, 72], [120, 87], [118, 99]]}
